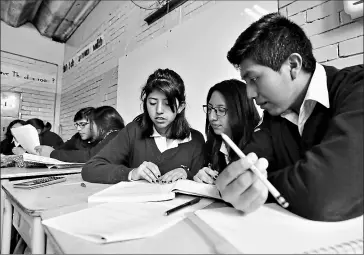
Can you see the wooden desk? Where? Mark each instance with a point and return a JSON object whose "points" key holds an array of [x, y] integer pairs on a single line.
{"points": [[28, 205], [11, 173], [182, 238]]}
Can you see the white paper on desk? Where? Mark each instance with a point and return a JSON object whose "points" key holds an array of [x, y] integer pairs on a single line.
{"points": [[271, 230], [112, 222], [27, 136], [143, 191]]}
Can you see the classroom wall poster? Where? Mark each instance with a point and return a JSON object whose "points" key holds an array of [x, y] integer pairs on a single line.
{"points": [[84, 53]]}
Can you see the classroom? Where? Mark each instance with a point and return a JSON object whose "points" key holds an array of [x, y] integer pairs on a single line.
{"points": [[182, 126]]}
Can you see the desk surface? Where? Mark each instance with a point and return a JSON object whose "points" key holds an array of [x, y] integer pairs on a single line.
{"points": [[182, 238], [16, 172], [58, 195]]}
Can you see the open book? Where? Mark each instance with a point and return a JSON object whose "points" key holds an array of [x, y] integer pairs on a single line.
{"points": [[49, 162], [272, 229], [143, 191]]}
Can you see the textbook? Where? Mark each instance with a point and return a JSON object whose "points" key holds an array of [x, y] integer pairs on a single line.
{"points": [[272, 229], [143, 191], [49, 162]]}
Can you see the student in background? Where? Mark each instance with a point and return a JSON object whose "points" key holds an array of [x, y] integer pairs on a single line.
{"points": [[46, 137], [80, 140], [313, 118], [158, 145], [105, 123], [9, 145], [229, 111]]}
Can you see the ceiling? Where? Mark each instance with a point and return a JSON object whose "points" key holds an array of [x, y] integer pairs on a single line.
{"points": [[55, 19]]}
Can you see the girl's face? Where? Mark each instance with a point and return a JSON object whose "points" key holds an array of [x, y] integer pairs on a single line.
{"points": [[218, 114], [160, 112]]}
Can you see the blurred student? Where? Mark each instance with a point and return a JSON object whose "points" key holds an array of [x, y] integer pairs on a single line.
{"points": [[46, 137], [104, 122], [229, 111], [313, 118], [9, 145], [158, 145]]}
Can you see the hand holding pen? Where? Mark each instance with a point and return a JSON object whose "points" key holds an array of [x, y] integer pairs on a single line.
{"points": [[206, 175]]}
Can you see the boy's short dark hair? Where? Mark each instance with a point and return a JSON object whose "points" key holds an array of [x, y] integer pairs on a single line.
{"points": [[270, 41]]}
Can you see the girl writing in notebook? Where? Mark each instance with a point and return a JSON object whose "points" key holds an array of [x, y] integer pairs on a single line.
{"points": [[229, 111], [159, 145], [104, 123]]}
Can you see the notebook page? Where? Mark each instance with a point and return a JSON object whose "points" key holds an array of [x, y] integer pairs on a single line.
{"points": [[271, 229], [196, 188], [138, 191], [27, 136], [113, 222]]}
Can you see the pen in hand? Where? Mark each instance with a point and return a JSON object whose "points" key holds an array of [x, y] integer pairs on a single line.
{"points": [[191, 202], [280, 199]]}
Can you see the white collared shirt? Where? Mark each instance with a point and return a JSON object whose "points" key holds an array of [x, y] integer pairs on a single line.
{"points": [[164, 144], [224, 151], [316, 93]]}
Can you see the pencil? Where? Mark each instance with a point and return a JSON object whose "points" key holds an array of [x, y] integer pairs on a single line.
{"points": [[191, 202], [280, 199]]}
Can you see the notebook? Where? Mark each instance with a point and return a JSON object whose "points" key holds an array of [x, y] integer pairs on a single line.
{"points": [[143, 191], [112, 222], [272, 229], [49, 162]]}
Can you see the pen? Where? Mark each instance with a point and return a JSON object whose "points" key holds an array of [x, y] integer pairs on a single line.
{"points": [[191, 202], [280, 199]]}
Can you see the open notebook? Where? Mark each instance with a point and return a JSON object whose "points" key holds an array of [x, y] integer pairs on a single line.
{"points": [[49, 162], [272, 229], [143, 191]]}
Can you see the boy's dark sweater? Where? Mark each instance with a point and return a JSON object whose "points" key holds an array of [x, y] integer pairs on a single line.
{"points": [[321, 173], [84, 153], [129, 150]]}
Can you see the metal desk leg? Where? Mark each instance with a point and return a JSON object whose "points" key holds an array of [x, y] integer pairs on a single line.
{"points": [[8, 221], [38, 236]]}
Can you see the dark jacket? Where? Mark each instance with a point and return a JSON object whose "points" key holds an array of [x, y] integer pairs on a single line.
{"points": [[321, 172], [75, 143], [7, 146], [51, 139]]}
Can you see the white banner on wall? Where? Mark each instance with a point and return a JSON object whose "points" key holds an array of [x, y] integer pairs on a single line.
{"points": [[84, 53], [11, 72]]}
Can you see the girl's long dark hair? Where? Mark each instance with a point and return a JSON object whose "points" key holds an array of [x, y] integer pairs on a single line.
{"points": [[243, 118], [39, 124], [8, 135], [171, 84]]}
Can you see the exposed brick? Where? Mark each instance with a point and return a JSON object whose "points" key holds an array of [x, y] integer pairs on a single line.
{"points": [[326, 53], [283, 3], [324, 10], [299, 6], [283, 11], [337, 35], [322, 25], [299, 18], [351, 47], [345, 62], [345, 18]]}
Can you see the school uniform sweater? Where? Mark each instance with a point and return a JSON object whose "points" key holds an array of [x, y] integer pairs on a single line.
{"points": [[83, 154], [129, 150], [75, 143], [7, 146], [51, 139], [321, 172]]}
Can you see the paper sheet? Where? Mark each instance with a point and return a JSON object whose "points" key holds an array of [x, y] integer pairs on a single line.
{"points": [[272, 229], [27, 136], [196, 188], [111, 222]]}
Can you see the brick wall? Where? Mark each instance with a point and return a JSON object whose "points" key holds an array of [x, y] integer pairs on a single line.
{"points": [[336, 38], [93, 82]]}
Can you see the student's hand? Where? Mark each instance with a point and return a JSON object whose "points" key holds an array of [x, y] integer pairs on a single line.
{"points": [[147, 171], [173, 175], [18, 150], [240, 187], [44, 150], [206, 175]]}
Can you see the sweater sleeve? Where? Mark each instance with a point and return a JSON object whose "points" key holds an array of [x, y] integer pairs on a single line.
{"points": [[6, 147], [110, 165], [326, 184], [81, 156], [69, 144], [198, 155]]}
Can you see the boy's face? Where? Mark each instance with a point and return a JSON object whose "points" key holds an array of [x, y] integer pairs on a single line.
{"points": [[273, 91]]}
